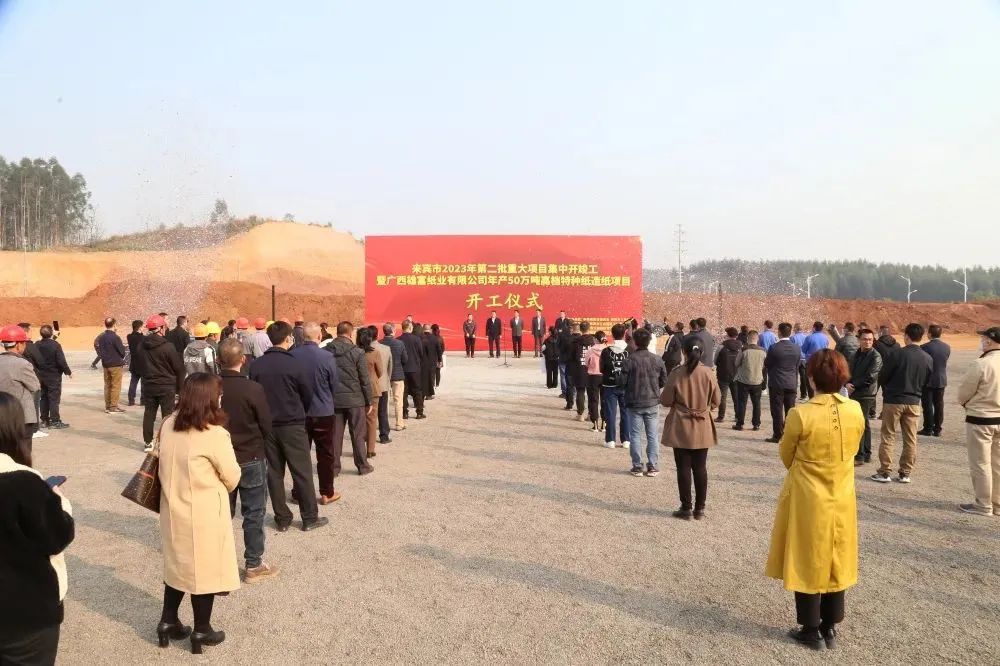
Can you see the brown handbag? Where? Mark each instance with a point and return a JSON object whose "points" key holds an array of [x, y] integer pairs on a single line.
{"points": [[144, 488]]}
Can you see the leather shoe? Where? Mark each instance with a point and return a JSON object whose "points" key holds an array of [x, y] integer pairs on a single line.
{"points": [[811, 638], [683, 514], [773, 440], [315, 524], [281, 527], [385, 440], [329, 499], [829, 633], [421, 416], [367, 469]]}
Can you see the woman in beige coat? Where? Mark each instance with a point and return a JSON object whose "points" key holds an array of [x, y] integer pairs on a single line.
{"points": [[374, 362], [692, 394], [197, 471]]}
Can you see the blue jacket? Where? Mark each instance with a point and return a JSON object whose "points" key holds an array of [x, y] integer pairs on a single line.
{"points": [[399, 357], [799, 339], [324, 371], [110, 348], [767, 339], [814, 342], [287, 384]]}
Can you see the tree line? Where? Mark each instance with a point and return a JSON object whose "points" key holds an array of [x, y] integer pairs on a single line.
{"points": [[43, 206], [858, 279]]}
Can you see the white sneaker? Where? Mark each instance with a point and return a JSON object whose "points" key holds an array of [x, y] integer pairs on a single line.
{"points": [[609, 445], [147, 448], [625, 445], [38, 434]]}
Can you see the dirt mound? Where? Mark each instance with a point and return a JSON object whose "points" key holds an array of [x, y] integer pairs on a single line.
{"points": [[751, 309]]}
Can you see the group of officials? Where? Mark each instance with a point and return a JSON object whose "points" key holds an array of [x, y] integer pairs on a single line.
{"points": [[494, 333]]}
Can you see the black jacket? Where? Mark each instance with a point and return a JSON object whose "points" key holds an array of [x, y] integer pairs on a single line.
{"points": [[287, 384], [725, 362], [885, 346], [940, 352], [782, 365], [162, 368], [50, 359], [550, 348], [673, 353], [412, 362], [111, 350], [469, 328], [134, 341], [249, 424], [578, 366], [399, 357], [707, 344], [494, 328], [865, 366], [33, 527], [354, 387], [566, 346], [904, 375], [562, 324], [179, 338], [433, 350], [644, 378]]}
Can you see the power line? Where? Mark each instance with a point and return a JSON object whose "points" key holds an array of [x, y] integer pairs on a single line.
{"points": [[679, 236]]}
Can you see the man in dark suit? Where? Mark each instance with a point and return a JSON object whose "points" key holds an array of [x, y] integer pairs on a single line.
{"points": [[494, 329], [933, 395], [782, 365], [538, 331], [412, 371], [563, 323], [516, 332]]}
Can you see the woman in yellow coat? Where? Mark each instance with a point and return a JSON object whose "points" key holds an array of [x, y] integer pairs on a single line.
{"points": [[814, 544], [197, 471]]}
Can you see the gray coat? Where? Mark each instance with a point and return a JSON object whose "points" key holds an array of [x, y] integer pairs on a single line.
{"points": [[17, 377], [516, 327]]}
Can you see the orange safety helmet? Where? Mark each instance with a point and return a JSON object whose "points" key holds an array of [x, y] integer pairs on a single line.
{"points": [[155, 322], [13, 333], [260, 323], [242, 323]]}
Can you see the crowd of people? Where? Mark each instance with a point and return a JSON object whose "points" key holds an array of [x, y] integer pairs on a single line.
{"points": [[241, 404], [821, 389]]}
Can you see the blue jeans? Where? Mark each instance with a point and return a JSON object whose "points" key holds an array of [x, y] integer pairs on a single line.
{"points": [[253, 503], [563, 382], [644, 417], [614, 403]]}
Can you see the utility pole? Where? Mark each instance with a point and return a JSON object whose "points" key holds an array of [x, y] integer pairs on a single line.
{"points": [[795, 288], [809, 282], [909, 283], [965, 285], [679, 235]]}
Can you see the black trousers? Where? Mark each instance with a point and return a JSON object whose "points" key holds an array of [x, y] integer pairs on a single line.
{"points": [[865, 449], [551, 373], [428, 378], [33, 647], [383, 416], [805, 391], [470, 347], [933, 404], [201, 604], [494, 342], [51, 395], [692, 463], [354, 419], [537, 340], [781, 401], [751, 391], [813, 610], [724, 389], [152, 400], [412, 388], [133, 386], [517, 345], [437, 375], [288, 446], [594, 396]]}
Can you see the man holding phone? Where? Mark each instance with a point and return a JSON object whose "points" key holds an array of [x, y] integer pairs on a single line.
{"points": [[51, 366]]}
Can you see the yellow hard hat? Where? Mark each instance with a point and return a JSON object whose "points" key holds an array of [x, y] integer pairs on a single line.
{"points": [[200, 331], [213, 328], [269, 322]]}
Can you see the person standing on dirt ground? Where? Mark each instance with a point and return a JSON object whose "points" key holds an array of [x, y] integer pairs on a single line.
{"points": [[374, 363], [979, 394], [550, 350], [397, 378], [567, 336], [436, 332], [815, 341], [749, 381], [848, 343], [50, 368], [644, 379], [799, 338], [112, 352], [578, 367], [179, 336], [384, 385], [933, 398], [538, 331], [353, 399], [903, 376], [691, 393], [18, 378], [766, 339], [612, 362], [469, 331], [516, 333], [199, 356], [725, 370], [322, 369], [249, 426], [162, 377], [885, 345], [288, 385], [494, 332], [412, 368], [781, 366], [134, 340], [595, 379], [865, 366]]}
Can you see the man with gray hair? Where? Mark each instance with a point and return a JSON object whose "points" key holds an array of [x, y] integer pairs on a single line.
{"points": [[396, 378]]}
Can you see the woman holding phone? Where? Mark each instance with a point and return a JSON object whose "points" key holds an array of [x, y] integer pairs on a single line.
{"points": [[36, 526]]}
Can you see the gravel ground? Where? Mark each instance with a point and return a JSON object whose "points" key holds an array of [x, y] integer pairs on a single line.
{"points": [[500, 530]]}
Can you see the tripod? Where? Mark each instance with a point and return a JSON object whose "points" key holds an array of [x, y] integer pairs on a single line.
{"points": [[505, 364]]}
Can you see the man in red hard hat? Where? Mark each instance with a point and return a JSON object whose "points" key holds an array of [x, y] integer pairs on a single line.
{"points": [[18, 378], [259, 342], [162, 376]]}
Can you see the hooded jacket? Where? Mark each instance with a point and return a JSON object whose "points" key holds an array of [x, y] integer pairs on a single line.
{"points": [[725, 362], [886, 345], [354, 387], [613, 359], [594, 359], [199, 356], [162, 369]]}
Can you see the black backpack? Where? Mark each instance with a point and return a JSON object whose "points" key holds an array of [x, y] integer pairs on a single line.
{"points": [[617, 359]]}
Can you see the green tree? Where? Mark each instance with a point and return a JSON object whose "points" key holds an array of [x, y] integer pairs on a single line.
{"points": [[42, 206]]}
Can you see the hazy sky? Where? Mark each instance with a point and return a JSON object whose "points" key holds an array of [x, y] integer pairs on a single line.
{"points": [[777, 129]]}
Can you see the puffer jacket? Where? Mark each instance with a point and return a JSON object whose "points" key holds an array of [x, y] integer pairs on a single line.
{"points": [[725, 362], [354, 388], [645, 376]]}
